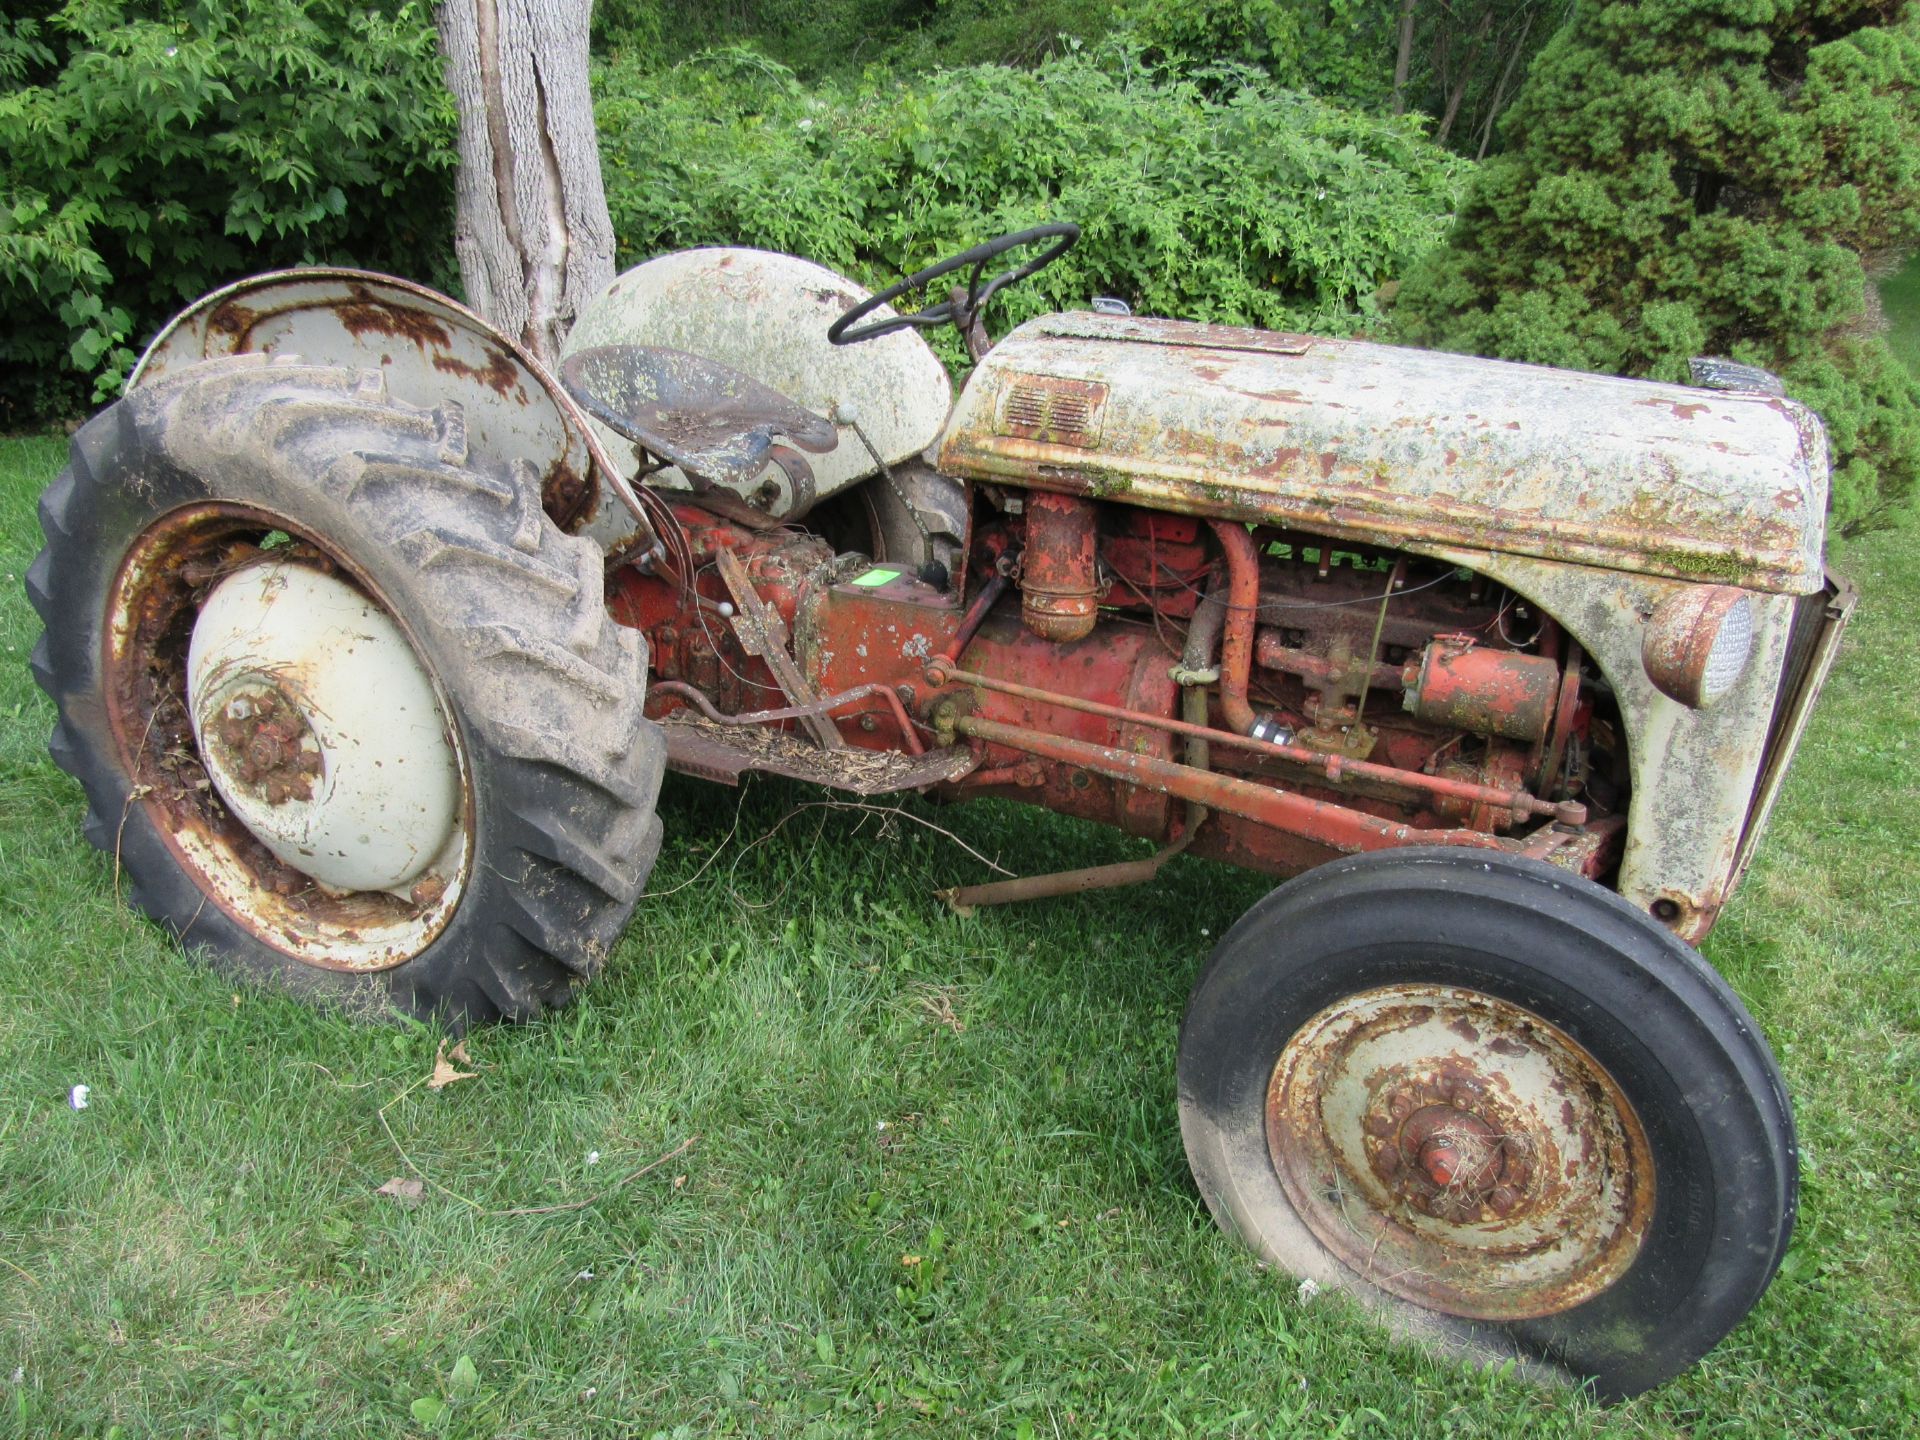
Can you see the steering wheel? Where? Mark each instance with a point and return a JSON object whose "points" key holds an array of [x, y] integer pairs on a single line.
{"points": [[962, 311]]}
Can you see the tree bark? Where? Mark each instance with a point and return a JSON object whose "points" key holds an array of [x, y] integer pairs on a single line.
{"points": [[1459, 91], [1500, 90], [531, 228], [1403, 60]]}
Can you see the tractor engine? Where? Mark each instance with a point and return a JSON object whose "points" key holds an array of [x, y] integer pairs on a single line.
{"points": [[1380, 694]]}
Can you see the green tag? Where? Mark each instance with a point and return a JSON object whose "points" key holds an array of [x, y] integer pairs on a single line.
{"points": [[876, 577]]}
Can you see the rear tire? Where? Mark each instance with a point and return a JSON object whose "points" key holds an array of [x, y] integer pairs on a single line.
{"points": [[1348, 1043], [540, 690]]}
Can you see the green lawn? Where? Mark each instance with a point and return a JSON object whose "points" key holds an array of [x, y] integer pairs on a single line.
{"points": [[937, 1186], [1900, 295]]}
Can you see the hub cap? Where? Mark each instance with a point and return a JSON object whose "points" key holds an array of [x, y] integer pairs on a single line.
{"points": [[1460, 1152], [320, 730]]}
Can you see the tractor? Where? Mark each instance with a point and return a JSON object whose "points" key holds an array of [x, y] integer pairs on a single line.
{"points": [[371, 637]]}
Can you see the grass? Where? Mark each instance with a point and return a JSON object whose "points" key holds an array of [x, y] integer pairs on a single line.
{"points": [[1900, 297], [937, 1189]]}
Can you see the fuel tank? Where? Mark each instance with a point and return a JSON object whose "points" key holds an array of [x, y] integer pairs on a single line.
{"points": [[1402, 447]]}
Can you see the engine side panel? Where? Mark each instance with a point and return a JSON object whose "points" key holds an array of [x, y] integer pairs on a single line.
{"points": [[1391, 446]]}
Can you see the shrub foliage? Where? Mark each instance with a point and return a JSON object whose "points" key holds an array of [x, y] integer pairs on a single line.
{"points": [[1686, 178], [153, 149], [1232, 200]]}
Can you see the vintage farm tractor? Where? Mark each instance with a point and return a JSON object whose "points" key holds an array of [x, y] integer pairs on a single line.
{"points": [[371, 638]]}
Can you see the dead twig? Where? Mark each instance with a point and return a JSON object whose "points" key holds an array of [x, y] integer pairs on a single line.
{"points": [[407, 1160], [895, 812], [625, 1180]]}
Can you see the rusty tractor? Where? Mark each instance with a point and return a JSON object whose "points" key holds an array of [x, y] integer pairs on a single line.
{"points": [[371, 638]]}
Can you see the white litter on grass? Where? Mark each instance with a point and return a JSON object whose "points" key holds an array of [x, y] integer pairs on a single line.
{"points": [[77, 1096], [584, 1275], [593, 1157], [1308, 1289]]}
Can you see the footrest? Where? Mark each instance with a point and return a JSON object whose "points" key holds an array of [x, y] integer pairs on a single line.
{"points": [[697, 746]]}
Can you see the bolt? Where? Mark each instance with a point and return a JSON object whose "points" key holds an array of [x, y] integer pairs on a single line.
{"points": [[1440, 1160], [869, 723]]}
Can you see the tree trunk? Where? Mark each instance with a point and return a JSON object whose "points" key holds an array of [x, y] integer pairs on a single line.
{"points": [[1500, 90], [1459, 91], [1403, 61], [531, 228]]}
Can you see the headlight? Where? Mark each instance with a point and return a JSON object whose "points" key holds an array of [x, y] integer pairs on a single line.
{"points": [[1698, 643]]}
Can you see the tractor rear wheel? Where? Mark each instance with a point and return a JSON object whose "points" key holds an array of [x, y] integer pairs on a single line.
{"points": [[1496, 1102], [347, 707]]}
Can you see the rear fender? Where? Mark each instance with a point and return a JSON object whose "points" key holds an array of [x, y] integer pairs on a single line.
{"points": [[430, 348]]}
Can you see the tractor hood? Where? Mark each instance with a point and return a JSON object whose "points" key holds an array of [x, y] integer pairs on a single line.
{"points": [[1399, 447]]}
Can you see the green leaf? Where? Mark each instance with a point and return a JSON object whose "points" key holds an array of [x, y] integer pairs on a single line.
{"points": [[463, 1379], [428, 1411]]}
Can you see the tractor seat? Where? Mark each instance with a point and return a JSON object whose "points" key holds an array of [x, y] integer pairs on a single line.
{"points": [[720, 427]]}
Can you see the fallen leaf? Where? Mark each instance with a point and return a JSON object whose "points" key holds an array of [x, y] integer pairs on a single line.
{"points": [[403, 1190], [444, 1071]]}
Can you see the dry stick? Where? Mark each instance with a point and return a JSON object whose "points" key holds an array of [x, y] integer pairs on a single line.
{"points": [[426, 1179], [899, 814], [718, 850], [625, 1180], [136, 791], [407, 1159]]}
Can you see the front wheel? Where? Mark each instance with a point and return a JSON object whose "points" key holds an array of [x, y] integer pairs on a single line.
{"points": [[1496, 1102], [347, 707]]}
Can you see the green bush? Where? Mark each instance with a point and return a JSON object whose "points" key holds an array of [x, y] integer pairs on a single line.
{"points": [[844, 36], [1685, 178], [1340, 48], [153, 149], [1235, 201]]}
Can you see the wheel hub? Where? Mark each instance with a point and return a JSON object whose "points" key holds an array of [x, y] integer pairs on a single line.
{"points": [[1456, 1150], [320, 730], [264, 745]]}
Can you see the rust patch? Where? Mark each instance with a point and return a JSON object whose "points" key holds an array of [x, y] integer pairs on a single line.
{"points": [[566, 496], [367, 314], [262, 740], [230, 317], [1442, 1175], [500, 374]]}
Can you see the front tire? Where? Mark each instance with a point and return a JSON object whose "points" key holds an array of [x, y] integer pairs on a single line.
{"points": [[1497, 1103], [239, 464]]}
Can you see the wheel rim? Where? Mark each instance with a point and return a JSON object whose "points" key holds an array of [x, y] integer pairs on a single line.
{"points": [[265, 701], [1460, 1152]]}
